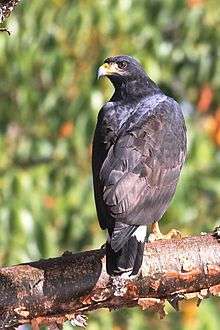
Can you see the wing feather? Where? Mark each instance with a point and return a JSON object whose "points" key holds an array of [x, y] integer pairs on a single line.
{"points": [[139, 174]]}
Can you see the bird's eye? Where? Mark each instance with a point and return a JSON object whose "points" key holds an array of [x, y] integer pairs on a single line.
{"points": [[122, 65]]}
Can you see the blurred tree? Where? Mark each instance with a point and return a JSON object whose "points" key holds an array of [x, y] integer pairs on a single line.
{"points": [[49, 103]]}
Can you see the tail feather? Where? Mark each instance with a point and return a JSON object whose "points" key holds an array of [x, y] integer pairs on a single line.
{"points": [[128, 259], [120, 235]]}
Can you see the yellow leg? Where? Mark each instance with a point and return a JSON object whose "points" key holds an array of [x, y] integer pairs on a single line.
{"points": [[157, 235]]}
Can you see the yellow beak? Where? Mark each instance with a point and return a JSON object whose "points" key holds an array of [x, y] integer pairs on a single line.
{"points": [[107, 69]]}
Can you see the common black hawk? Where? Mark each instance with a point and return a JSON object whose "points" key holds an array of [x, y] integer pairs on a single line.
{"points": [[139, 148]]}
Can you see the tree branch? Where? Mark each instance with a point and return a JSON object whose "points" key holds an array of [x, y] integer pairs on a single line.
{"points": [[55, 290]]}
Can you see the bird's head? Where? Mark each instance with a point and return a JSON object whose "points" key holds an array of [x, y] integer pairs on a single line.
{"points": [[128, 77], [121, 68]]}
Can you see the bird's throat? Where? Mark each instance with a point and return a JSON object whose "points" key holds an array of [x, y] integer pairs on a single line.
{"points": [[128, 90]]}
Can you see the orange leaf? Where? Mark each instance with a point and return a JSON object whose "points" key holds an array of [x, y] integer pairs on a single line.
{"points": [[49, 202], [217, 137], [205, 98], [210, 124], [217, 115], [193, 3], [66, 129]]}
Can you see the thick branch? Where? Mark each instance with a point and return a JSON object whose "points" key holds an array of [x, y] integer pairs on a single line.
{"points": [[54, 290]]}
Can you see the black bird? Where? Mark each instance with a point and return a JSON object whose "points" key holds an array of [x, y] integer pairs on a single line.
{"points": [[139, 148]]}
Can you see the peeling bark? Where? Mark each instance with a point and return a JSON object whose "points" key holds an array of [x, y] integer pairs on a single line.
{"points": [[59, 289]]}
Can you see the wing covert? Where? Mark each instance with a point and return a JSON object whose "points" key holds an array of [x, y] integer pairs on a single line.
{"points": [[141, 170]]}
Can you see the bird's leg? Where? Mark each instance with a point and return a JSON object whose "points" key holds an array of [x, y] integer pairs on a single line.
{"points": [[157, 235]]}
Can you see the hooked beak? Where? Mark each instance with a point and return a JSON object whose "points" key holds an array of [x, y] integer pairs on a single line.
{"points": [[108, 69]]}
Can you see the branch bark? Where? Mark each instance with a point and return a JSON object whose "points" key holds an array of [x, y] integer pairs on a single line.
{"points": [[64, 288]]}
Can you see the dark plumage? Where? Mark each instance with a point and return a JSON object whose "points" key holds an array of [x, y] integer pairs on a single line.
{"points": [[139, 148]]}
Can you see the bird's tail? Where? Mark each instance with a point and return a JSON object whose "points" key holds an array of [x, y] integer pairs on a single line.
{"points": [[125, 253]]}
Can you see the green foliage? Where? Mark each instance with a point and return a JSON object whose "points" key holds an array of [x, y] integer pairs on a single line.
{"points": [[49, 102]]}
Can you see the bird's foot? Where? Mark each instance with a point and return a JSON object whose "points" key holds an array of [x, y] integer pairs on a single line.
{"points": [[216, 233], [157, 235], [172, 234]]}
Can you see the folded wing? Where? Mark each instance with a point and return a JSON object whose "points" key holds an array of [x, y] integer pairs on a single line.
{"points": [[139, 175]]}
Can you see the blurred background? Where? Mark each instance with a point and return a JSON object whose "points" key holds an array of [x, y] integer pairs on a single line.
{"points": [[49, 102]]}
